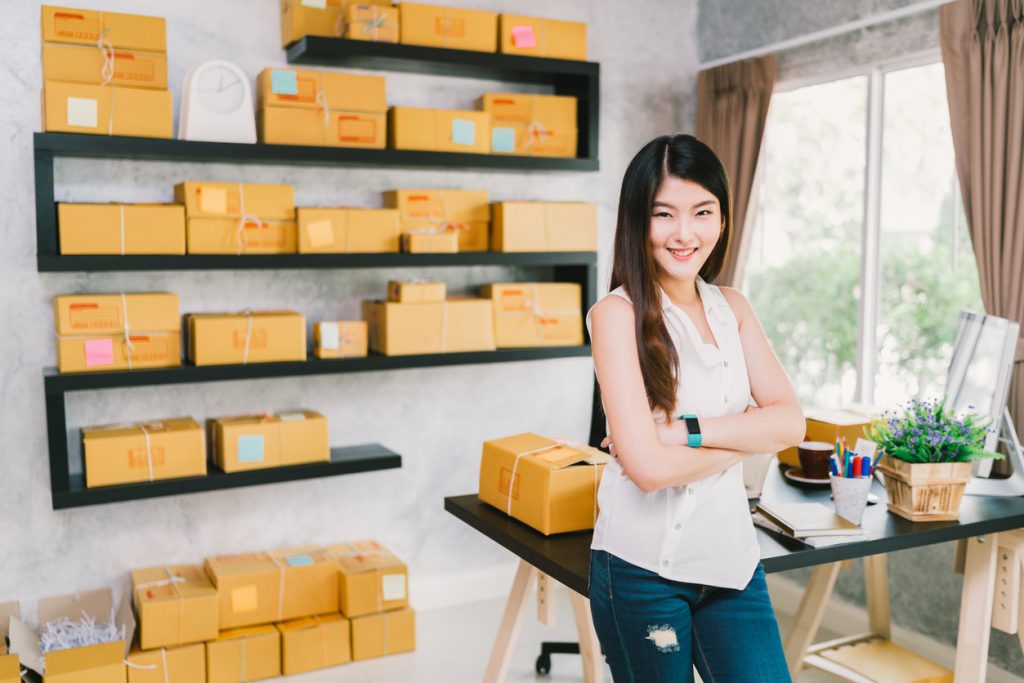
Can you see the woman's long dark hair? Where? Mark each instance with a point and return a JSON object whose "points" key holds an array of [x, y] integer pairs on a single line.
{"points": [[634, 268]]}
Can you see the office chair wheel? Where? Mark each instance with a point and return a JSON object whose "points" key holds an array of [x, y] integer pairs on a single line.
{"points": [[543, 665]]}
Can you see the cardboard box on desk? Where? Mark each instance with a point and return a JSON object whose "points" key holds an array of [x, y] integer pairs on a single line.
{"points": [[86, 27], [10, 669], [372, 22], [240, 236], [439, 130], [255, 442], [314, 643], [416, 291], [146, 451], [244, 654], [340, 339], [528, 314], [372, 578], [236, 200], [546, 484], [86, 63], [387, 633], [828, 425], [451, 27], [107, 110], [544, 226], [430, 241], [184, 664], [247, 337], [532, 125], [447, 327], [348, 231], [121, 228], [465, 211], [311, 18], [176, 605], [537, 37]]}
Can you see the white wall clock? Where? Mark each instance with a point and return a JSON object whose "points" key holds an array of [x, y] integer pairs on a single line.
{"points": [[216, 104]]}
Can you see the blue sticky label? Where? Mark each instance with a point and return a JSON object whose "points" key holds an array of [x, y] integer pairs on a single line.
{"points": [[503, 139], [298, 561], [463, 132], [284, 83], [250, 448]]}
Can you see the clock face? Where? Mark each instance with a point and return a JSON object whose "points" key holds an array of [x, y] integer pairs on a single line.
{"points": [[220, 89]]}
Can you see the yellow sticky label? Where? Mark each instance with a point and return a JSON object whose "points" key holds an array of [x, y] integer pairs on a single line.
{"points": [[321, 233], [213, 199], [245, 599]]}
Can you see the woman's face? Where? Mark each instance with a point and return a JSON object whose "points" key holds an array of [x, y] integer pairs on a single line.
{"points": [[686, 221]]}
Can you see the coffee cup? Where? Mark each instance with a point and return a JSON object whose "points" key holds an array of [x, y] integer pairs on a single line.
{"points": [[814, 457]]}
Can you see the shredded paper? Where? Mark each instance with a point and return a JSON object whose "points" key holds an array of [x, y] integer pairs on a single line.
{"points": [[64, 634]]}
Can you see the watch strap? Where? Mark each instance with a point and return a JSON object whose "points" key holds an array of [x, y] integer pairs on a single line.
{"points": [[694, 439]]}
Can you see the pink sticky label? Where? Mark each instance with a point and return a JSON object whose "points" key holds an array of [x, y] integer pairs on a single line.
{"points": [[523, 36], [99, 352]]}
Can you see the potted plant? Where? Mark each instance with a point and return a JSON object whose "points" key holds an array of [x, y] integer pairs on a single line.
{"points": [[927, 457]]}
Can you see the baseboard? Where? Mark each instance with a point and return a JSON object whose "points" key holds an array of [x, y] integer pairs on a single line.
{"points": [[845, 618], [450, 590]]}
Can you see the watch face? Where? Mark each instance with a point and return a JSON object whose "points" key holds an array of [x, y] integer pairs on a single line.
{"points": [[220, 89]]}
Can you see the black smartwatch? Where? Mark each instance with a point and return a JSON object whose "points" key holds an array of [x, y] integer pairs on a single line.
{"points": [[693, 427]]}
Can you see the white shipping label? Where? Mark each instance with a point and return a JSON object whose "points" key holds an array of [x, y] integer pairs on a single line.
{"points": [[329, 336], [317, 4], [392, 587], [83, 111]]}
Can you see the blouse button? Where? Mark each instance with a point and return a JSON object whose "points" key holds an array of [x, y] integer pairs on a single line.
{"points": [[690, 491], [666, 563], [678, 527], [725, 363]]}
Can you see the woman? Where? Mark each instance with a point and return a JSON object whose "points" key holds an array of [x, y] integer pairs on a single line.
{"points": [[675, 577]]}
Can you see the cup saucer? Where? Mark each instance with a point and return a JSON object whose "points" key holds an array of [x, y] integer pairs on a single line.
{"points": [[796, 475]]}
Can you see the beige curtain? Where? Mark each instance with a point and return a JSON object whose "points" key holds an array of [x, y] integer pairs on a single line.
{"points": [[732, 105], [983, 53]]}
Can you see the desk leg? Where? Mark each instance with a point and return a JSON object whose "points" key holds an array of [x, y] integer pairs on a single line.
{"points": [[590, 649], [809, 615], [504, 643], [976, 609], [876, 579]]}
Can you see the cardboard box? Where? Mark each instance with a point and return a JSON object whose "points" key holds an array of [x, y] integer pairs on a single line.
{"points": [[107, 110], [451, 27], [340, 339], [372, 578], [532, 125], [147, 451], [465, 211], [312, 18], [416, 291], [240, 236], [85, 64], [545, 484], [10, 669], [236, 200], [314, 643], [244, 654], [289, 126], [8, 610], [528, 314], [102, 663], [121, 228], [431, 241], [544, 226], [536, 37], [828, 425], [283, 584], [439, 130], [247, 337], [86, 27], [176, 605], [371, 22], [348, 231], [93, 353], [256, 442], [448, 327], [388, 633], [185, 664]]}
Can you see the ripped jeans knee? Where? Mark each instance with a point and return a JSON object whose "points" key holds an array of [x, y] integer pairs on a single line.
{"points": [[663, 637]]}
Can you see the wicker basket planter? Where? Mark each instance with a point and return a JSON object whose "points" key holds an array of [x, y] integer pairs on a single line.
{"points": [[925, 492]]}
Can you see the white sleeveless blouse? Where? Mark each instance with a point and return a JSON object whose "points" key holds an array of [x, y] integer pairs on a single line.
{"points": [[701, 533]]}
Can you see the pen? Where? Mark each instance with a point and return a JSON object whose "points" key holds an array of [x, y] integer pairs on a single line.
{"points": [[856, 466], [866, 468], [833, 465]]}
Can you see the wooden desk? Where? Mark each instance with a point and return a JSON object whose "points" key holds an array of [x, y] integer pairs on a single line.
{"points": [[565, 558]]}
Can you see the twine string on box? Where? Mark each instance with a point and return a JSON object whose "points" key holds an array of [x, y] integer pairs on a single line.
{"points": [[244, 220], [377, 22], [106, 49], [121, 207], [149, 451], [324, 105], [248, 336], [280, 586], [172, 580], [128, 345]]}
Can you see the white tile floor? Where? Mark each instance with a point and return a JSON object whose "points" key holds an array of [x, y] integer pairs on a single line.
{"points": [[454, 643]]}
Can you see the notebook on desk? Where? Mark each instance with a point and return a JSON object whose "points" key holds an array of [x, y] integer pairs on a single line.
{"points": [[803, 520]]}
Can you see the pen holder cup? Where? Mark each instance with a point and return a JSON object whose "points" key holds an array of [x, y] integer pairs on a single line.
{"points": [[850, 496]]}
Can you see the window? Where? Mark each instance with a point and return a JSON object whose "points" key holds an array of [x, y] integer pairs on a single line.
{"points": [[859, 260]]}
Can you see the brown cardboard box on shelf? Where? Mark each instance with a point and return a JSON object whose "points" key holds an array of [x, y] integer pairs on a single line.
{"points": [[372, 578], [314, 643], [451, 27], [466, 211], [87, 27], [387, 633], [236, 200], [244, 654], [312, 18], [8, 610], [416, 291], [531, 125], [348, 231], [537, 37], [176, 605], [121, 228], [10, 669], [95, 352], [446, 327], [283, 584], [107, 110], [430, 241], [371, 22], [102, 663], [530, 314], [146, 451], [184, 664], [544, 226], [240, 236], [85, 64], [255, 442], [288, 126], [439, 130], [828, 425], [246, 337], [545, 484], [340, 339]]}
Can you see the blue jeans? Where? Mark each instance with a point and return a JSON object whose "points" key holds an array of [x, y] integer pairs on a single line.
{"points": [[654, 630]]}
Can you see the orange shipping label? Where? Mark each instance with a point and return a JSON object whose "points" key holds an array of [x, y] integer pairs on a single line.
{"points": [[91, 316], [140, 457], [356, 129], [505, 478], [72, 25]]}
